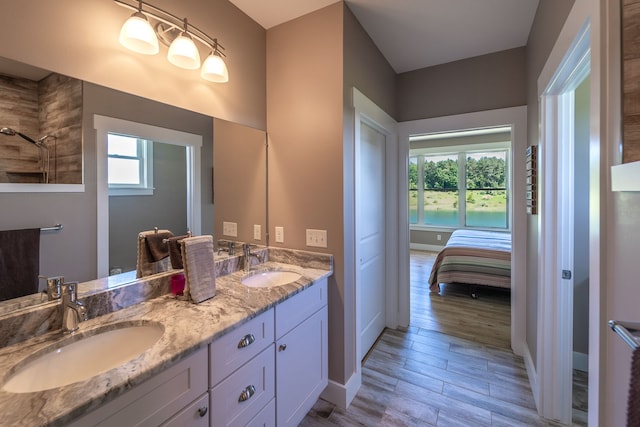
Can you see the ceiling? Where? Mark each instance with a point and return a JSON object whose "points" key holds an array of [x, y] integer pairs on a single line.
{"points": [[414, 34]]}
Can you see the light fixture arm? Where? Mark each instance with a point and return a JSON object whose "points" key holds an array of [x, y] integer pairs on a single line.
{"points": [[173, 22]]}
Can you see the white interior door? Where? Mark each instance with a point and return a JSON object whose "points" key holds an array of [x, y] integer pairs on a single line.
{"points": [[371, 238]]}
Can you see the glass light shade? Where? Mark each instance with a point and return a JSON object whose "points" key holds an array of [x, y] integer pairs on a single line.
{"points": [[214, 69], [183, 53], [137, 35]]}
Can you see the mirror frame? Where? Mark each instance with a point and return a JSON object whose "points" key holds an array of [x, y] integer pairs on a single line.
{"points": [[193, 144]]}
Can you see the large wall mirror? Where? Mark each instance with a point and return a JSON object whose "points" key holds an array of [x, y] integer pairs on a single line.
{"points": [[185, 145]]}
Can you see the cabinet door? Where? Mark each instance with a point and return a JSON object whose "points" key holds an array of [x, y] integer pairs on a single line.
{"points": [[194, 415], [301, 369]]}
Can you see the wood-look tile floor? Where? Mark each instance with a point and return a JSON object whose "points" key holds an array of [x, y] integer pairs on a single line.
{"points": [[453, 367]]}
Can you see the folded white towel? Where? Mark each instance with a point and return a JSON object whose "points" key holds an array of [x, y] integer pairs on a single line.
{"points": [[199, 269]]}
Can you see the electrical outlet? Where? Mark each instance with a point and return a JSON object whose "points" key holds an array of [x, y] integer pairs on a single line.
{"points": [[230, 229], [257, 232], [438, 236], [279, 234], [317, 238]]}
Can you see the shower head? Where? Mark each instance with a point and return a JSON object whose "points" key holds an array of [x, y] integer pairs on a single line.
{"points": [[11, 132]]}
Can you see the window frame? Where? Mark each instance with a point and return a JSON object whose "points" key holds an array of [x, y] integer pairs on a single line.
{"points": [[145, 169], [461, 151]]}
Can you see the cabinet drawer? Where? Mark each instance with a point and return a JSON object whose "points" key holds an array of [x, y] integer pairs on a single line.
{"points": [[232, 350], [157, 399], [266, 417], [194, 415], [232, 402], [295, 310]]}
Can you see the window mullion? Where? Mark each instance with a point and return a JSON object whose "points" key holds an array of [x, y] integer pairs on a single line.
{"points": [[420, 190], [462, 189]]}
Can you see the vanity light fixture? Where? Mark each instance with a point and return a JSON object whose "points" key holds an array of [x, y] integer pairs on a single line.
{"points": [[150, 24]]}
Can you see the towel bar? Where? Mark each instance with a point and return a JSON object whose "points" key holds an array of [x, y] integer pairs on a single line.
{"points": [[629, 332], [57, 227]]}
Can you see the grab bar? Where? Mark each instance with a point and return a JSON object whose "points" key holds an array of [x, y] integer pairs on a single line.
{"points": [[629, 332], [57, 227]]}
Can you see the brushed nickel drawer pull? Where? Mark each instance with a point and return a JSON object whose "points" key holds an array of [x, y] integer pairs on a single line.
{"points": [[246, 394], [203, 411], [282, 347], [246, 341]]}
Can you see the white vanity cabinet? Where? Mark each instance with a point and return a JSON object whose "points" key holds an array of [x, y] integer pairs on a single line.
{"points": [[176, 397], [301, 353]]}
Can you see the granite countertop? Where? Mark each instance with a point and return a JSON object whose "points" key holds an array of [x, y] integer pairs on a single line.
{"points": [[187, 328]]}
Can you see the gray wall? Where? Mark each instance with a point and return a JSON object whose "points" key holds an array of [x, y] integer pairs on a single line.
{"points": [[548, 22], [486, 82], [581, 221], [166, 208]]}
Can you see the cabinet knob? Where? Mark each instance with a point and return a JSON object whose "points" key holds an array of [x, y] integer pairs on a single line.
{"points": [[203, 411], [246, 341], [282, 347], [246, 394]]}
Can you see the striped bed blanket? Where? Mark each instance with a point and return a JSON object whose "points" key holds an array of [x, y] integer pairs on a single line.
{"points": [[474, 257]]}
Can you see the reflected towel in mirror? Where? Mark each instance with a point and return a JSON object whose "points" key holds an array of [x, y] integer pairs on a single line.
{"points": [[145, 263], [19, 262], [156, 243], [175, 254], [633, 404]]}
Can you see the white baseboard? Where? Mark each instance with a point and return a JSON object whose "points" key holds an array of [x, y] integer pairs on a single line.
{"points": [[532, 374], [581, 361], [341, 395], [423, 247]]}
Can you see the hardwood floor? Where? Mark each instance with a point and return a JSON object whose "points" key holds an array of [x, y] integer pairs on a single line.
{"points": [[453, 367]]}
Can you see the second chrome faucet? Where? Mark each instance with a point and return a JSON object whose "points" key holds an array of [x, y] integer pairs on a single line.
{"points": [[246, 251], [73, 311]]}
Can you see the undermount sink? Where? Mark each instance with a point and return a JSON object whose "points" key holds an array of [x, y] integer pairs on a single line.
{"points": [[70, 362], [270, 278]]}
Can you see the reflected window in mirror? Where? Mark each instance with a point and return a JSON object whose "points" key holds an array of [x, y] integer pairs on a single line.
{"points": [[130, 165]]}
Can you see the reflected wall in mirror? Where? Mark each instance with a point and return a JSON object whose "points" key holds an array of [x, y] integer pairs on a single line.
{"points": [[41, 126], [240, 181]]}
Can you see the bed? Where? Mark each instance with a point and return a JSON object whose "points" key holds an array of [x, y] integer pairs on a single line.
{"points": [[474, 257]]}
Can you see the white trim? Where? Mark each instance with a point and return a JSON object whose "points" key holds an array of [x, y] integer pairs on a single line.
{"points": [[625, 177], [531, 373], [516, 117], [41, 188], [425, 247], [193, 144], [342, 395], [566, 67]]}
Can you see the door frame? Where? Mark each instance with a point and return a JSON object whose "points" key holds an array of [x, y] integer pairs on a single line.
{"points": [[367, 112], [516, 118], [568, 63]]}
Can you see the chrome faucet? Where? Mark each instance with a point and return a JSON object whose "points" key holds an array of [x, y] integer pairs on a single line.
{"points": [[246, 250], [73, 311]]}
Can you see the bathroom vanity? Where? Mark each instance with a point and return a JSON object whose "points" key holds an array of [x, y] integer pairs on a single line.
{"points": [[248, 356]]}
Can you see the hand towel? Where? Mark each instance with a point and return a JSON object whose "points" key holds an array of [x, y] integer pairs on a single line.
{"points": [[199, 268], [156, 242], [633, 403], [19, 262], [175, 254]]}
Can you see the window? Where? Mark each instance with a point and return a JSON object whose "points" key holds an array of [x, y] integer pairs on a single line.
{"points": [[465, 188], [130, 165]]}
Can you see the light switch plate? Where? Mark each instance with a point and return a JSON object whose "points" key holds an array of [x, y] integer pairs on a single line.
{"points": [[317, 238], [230, 229], [257, 232], [279, 234]]}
